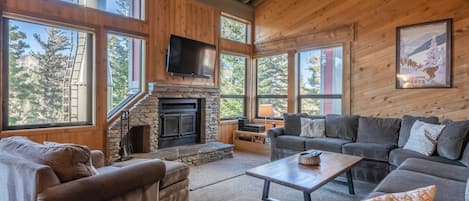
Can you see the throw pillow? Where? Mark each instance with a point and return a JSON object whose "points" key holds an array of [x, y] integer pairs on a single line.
{"points": [[342, 126], [89, 164], [378, 130], [423, 137], [312, 127], [406, 125], [68, 162], [421, 194], [452, 139], [292, 122]]}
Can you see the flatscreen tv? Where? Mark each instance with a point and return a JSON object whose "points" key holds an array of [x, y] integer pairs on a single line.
{"points": [[190, 58]]}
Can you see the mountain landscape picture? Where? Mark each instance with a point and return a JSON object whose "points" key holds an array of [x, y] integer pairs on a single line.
{"points": [[423, 56]]}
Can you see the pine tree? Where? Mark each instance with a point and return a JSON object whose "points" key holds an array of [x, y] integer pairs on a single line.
{"points": [[51, 69], [312, 106], [118, 57], [18, 79], [233, 83], [273, 80]]}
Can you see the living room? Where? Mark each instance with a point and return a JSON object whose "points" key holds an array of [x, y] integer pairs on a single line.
{"points": [[210, 100]]}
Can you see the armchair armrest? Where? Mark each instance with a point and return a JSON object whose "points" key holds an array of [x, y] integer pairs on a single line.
{"points": [[275, 132], [97, 158], [107, 185]]}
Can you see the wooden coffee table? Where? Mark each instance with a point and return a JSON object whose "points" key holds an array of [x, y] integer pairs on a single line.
{"points": [[288, 172]]}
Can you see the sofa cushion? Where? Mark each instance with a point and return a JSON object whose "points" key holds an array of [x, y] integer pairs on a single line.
{"points": [[326, 144], [175, 172], [68, 162], [443, 170], [465, 156], [407, 123], [397, 156], [452, 139], [373, 151], [292, 122], [342, 126], [447, 189], [378, 130], [291, 142]]}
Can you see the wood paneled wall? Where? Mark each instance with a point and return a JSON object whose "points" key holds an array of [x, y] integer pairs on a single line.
{"points": [[288, 24], [186, 18]]}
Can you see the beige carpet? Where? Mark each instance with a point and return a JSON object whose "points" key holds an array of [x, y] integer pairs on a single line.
{"points": [[225, 181]]}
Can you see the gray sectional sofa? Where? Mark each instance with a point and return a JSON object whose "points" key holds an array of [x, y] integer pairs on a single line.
{"points": [[380, 142]]}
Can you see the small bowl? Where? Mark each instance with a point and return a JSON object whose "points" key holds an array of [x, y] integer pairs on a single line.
{"points": [[302, 159]]}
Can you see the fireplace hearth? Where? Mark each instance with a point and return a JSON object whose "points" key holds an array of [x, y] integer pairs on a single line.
{"points": [[179, 121]]}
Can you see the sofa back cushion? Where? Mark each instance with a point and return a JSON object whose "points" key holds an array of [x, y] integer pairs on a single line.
{"points": [[452, 139], [292, 122], [407, 123], [378, 130], [68, 162], [342, 126]]}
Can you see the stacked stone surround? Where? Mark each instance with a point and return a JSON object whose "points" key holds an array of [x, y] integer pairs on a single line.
{"points": [[145, 113]]}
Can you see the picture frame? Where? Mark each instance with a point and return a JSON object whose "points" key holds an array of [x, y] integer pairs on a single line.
{"points": [[423, 55]]}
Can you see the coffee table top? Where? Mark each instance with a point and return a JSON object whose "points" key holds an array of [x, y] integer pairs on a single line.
{"points": [[289, 172]]}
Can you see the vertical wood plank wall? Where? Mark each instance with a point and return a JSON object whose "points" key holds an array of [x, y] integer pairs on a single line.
{"points": [[185, 18], [285, 24]]}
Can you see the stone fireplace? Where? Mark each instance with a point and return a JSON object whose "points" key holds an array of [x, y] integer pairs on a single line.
{"points": [[147, 113]]}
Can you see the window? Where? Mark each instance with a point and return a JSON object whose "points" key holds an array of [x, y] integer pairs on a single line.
{"points": [[320, 81], [47, 75], [125, 57], [234, 30], [128, 8], [272, 84], [232, 86]]}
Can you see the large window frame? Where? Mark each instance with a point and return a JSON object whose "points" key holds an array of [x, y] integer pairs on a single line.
{"points": [[318, 96], [244, 96], [91, 83], [143, 58], [258, 97]]}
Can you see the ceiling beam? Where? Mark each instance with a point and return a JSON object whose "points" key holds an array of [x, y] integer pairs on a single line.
{"points": [[232, 7]]}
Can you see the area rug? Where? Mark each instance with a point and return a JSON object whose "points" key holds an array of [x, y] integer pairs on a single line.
{"points": [[225, 181], [219, 171]]}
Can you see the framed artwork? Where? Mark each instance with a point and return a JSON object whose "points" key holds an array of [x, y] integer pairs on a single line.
{"points": [[423, 55]]}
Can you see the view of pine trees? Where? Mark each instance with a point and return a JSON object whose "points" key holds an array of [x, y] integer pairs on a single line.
{"points": [[233, 30], [272, 82], [232, 71], [37, 74], [232, 78], [48, 79]]}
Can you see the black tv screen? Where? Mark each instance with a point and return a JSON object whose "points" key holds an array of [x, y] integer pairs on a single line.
{"points": [[188, 57]]}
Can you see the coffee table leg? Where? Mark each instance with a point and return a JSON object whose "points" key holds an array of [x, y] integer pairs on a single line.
{"points": [[265, 193], [351, 190], [307, 196]]}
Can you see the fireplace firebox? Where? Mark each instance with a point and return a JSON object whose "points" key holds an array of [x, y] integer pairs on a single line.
{"points": [[179, 122]]}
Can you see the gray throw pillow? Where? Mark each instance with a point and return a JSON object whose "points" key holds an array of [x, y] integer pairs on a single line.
{"points": [[292, 122], [342, 126], [407, 123], [378, 130], [452, 139]]}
